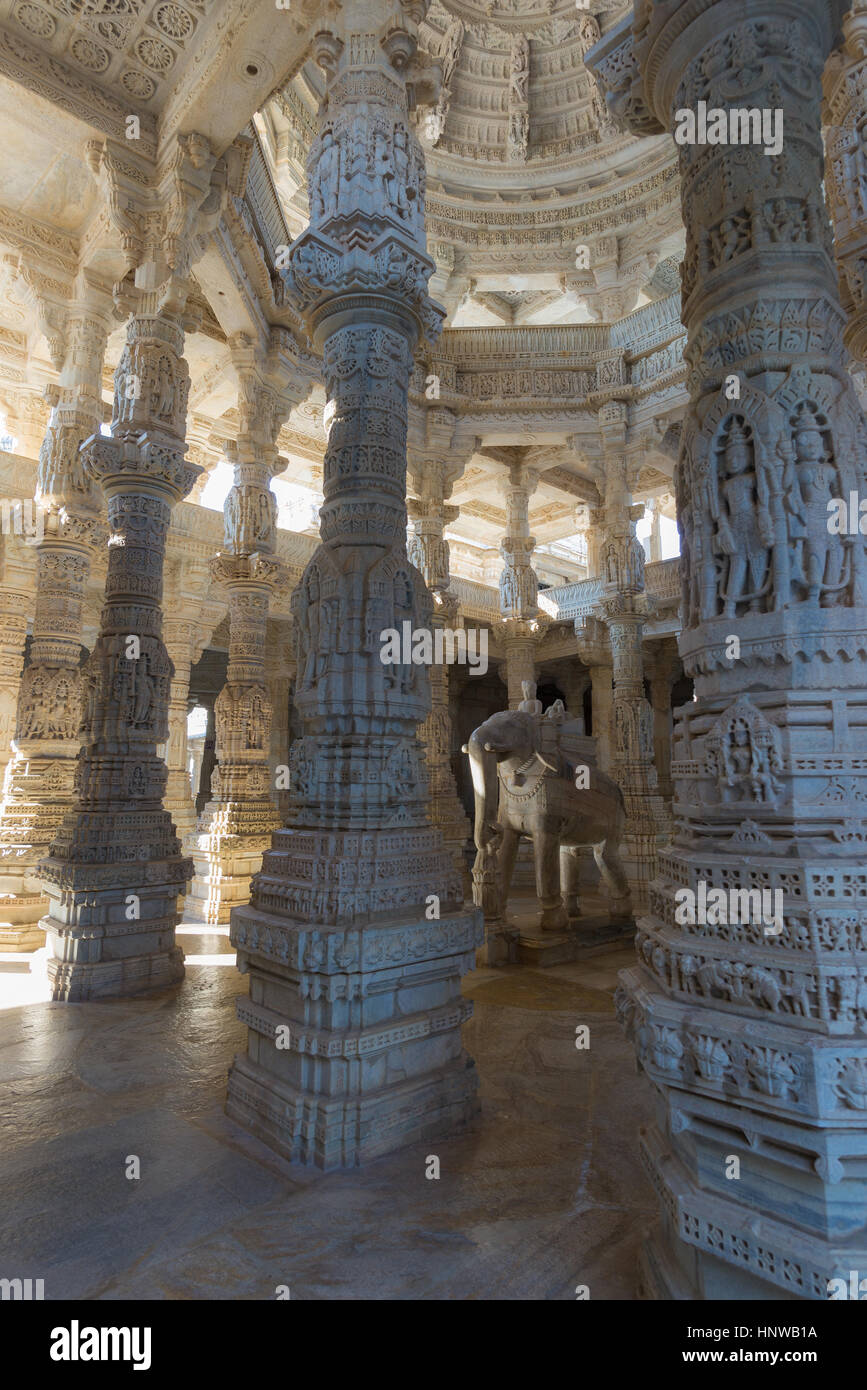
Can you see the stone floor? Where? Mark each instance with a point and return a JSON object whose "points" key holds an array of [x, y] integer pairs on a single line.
{"points": [[545, 1194]]}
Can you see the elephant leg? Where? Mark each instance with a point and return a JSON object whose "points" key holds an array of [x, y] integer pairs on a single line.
{"points": [[569, 867], [508, 854], [547, 857], [607, 858]]}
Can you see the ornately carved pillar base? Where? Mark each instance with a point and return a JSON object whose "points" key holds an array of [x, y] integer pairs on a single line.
{"points": [[226, 856], [29, 823], [355, 1008]]}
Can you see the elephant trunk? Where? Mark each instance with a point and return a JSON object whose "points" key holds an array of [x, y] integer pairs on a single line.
{"points": [[483, 765]]}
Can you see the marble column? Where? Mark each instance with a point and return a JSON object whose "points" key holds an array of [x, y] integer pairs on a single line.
{"points": [[280, 680], [655, 543], [573, 681], [115, 869], [28, 421], [594, 649], [623, 607], [16, 597], [662, 669], [520, 624], [355, 938], [184, 639], [39, 788], [433, 475], [748, 1011], [208, 758], [238, 821], [845, 121]]}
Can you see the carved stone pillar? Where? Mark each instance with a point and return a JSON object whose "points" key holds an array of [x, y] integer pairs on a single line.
{"points": [[16, 600], [594, 649], [655, 545], [662, 670], [28, 421], [433, 474], [519, 587], [520, 625], [238, 820], [623, 607], [845, 82], [748, 1007], [279, 680], [39, 790], [208, 759], [573, 681], [115, 868], [355, 938], [183, 639]]}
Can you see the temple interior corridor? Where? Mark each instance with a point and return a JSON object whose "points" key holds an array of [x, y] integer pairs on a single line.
{"points": [[433, 652]]}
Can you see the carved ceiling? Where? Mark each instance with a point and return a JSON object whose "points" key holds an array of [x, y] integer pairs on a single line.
{"points": [[136, 47], [504, 215]]}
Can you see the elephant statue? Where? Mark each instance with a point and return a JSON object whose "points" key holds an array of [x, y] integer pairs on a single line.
{"points": [[537, 775]]}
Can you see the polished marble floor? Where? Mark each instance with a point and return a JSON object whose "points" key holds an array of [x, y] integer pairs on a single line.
{"points": [[546, 1193]]}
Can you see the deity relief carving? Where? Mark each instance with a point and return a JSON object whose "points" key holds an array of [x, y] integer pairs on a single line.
{"points": [[757, 483], [373, 164], [49, 703], [743, 755], [250, 516], [243, 718], [623, 561], [821, 564]]}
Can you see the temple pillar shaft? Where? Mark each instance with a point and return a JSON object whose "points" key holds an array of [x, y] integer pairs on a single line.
{"points": [[13, 638], [39, 789], [181, 640], [237, 822], [358, 881], [115, 869], [747, 1007], [433, 474], [602, 699]]}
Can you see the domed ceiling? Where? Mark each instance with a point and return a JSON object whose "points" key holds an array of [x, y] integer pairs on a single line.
{"points": [[525, 167], [515, 89]]}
